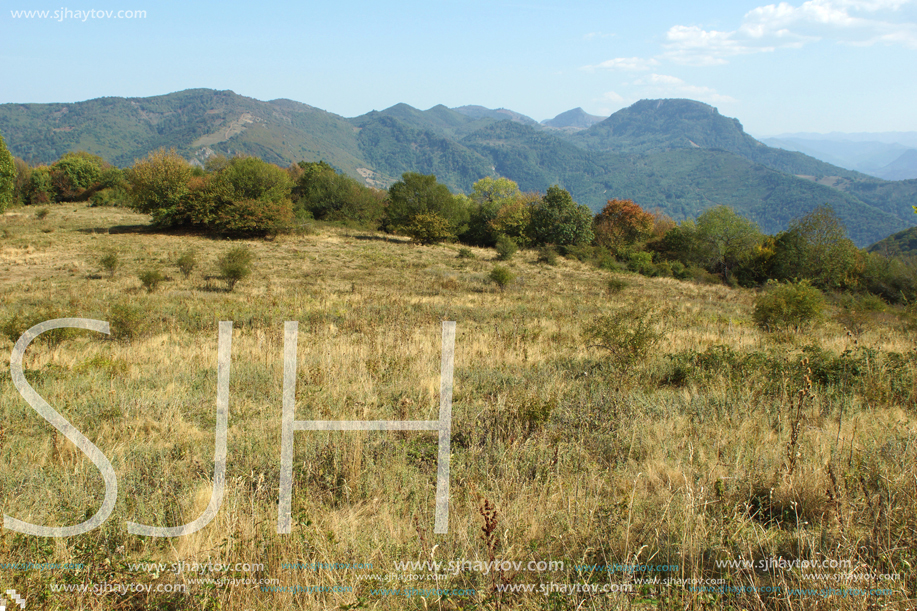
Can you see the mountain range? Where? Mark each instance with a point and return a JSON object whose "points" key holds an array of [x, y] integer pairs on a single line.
{"points": [[678, 156], [889, 155]]}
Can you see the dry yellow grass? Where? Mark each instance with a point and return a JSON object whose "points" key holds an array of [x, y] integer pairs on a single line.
{"points": [[585, 462]]}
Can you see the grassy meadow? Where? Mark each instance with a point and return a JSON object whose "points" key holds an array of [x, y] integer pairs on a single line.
{"points": [[688, 437]]}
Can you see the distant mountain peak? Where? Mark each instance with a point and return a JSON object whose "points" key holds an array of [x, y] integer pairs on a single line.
{"points": [[500, 114], [575, 119]]}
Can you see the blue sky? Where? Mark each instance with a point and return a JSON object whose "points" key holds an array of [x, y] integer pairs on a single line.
{"points": [[818, 65]]}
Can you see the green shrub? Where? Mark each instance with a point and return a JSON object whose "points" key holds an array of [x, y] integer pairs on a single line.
{"points": [[628, 334], [109, 197], [547, 255], [641, 262], [664, 269], [151, 279], [159, 186], [110, 263], [615, 286], [428, 228], [506, 248], [75, 176], [251, 216], [38, 190], [42, 213], [702, 276], [502, 277], [679, 270], [14, 327], [793, 305], [126, 321], [466, 253], [855, 311], [187, 262], [235, 265]]}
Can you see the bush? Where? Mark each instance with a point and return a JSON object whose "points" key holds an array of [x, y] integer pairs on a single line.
{"points": [[151, 278], [126, 321], [42, 213], [679, 270], [547, 255], [506, 248], [793, 305], [502, 277], [186, 263], [76, 176], [159, 187], [235, 265], [641, 262], [252, 216], [428, 228], [322, 193], [628, 334], [615, 286], [38, 190], [856, 311], [110, 263], [466, 253], [108, 197]]}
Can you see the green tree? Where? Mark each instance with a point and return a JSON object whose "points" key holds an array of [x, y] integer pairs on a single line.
{"points": [[488, 197], [246, 196], [76, 175], [159, 187], [725, 240], [7, 176], [38, 190], [331, 196], [421, 194], [23, 176], [557, 219], [816, 247]]}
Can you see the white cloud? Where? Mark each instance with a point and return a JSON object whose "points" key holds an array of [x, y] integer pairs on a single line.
{"points": [[664, 85], [775, 26], [594, 35], [611, 96], [625, 63]]}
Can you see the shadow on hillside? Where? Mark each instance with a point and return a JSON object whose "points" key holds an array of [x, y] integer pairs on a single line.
{"points": [[119, 229], [382, 238]]}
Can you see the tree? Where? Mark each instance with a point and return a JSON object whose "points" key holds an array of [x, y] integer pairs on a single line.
{"points": [[247, 196], [559, 220], [489, 196], [725, 240], [331, 196], [38, 190], [514, 219], [7, 176], [816, 247], [159, 187], [76, 175], [421, 194], [621, 224]]}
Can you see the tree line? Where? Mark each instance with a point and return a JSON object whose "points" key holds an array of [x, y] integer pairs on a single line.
{"points": [[248, 196]]}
